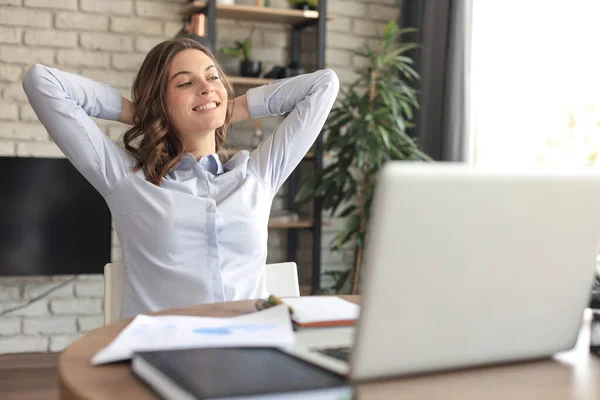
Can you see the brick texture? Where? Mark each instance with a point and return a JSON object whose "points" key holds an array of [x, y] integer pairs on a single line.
{"points": [[86, 324], [118, 7], [53, 4], [10, 326], [50, 38], [77, 21], [49, 325], [76, 306], [10, 34], [136, 25], [25, 17], [7, 148], [60, 342], [79, 58], [106, 41], [23, 55], [23, 344]]}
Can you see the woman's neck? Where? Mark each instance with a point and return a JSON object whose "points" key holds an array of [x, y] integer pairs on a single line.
{"points": [[201, 146]]}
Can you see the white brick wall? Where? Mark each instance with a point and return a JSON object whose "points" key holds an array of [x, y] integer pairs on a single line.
{"points": [[118, 7], [107, 40]]}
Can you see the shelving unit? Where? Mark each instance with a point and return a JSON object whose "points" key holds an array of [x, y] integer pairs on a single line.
{"points": [[242, 80], [294, 224], [298, 20]]}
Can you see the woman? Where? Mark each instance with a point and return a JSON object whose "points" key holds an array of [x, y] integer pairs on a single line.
{"points": [[192, 229]]}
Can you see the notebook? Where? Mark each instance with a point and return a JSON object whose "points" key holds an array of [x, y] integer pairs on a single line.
{"points": [[237, 374], [318, 311]]}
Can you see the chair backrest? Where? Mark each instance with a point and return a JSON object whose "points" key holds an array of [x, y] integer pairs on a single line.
{"points": [[282, 281], [114, 286]]}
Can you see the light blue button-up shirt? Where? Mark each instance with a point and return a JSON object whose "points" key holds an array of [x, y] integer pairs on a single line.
{"points": [[201, 236]]}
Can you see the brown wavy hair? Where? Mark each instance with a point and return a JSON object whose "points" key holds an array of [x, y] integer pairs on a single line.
{"points": [[153, 138]]}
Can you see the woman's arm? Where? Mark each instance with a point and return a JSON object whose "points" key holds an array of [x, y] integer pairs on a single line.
{"points": [[64, 102], [308, 98], [240, 109]]}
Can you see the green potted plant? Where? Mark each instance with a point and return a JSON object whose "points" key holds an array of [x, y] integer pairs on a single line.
{"points": [[366, 128], [304, 4], [242, 50]]}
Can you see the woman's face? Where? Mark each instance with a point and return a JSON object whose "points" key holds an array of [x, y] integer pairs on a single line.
{"points": [[196, 97]]}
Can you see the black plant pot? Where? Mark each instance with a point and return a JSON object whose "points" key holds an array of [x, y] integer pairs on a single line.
{"points": [[250, 68], [303, 6]]}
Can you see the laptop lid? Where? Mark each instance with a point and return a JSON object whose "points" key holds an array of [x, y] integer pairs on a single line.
{"points": [[466, 266]]}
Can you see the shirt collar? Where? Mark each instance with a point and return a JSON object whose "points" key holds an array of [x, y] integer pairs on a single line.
{"points": [[209, 162]]}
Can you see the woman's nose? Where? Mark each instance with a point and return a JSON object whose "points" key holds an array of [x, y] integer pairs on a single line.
{"points": [[204, 88]]}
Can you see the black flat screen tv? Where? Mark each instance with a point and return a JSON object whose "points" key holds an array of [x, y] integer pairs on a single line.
{"points": [[52, 221]]}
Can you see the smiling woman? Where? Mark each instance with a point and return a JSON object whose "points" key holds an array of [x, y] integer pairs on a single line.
{"points": [[180, 96], [193, 230]]}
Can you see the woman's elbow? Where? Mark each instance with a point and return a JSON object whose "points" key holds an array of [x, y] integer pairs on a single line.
{"points": [[332, 80], [33, 76]]}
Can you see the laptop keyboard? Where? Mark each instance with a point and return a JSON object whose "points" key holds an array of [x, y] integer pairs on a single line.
{"points": [[340, 353]]}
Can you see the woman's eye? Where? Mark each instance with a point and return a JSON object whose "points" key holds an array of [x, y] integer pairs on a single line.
{"points": [[184, 84], [213, 78]]}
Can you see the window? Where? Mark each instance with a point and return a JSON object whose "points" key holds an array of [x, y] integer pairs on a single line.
{"points": [[536, 82]]}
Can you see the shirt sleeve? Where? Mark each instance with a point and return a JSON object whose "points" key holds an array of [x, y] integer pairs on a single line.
{"points": [[308, 98], [64, 102]]}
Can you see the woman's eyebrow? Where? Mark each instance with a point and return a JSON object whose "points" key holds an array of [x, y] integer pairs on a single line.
{"points": [[189, 73]]}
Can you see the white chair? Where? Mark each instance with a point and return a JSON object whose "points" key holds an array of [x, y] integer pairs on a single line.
{"points": [[282, 280], [114, 287]]}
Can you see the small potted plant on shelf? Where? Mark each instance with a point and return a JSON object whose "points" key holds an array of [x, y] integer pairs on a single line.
{"points": [[304, 4], [242, 49]]}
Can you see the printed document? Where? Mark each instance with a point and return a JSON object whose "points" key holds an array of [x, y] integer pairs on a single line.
{"points": [[268, 328]]}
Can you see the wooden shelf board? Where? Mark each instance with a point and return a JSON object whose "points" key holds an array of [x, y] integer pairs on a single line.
{"points": [[294, 224], [258, 14], [242, 80], [232, 151]]}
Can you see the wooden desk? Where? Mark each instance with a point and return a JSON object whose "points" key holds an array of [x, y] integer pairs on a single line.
{"points": [[570, 375]]}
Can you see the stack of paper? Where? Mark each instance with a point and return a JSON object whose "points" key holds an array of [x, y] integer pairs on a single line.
{"points": [[313, 311]]}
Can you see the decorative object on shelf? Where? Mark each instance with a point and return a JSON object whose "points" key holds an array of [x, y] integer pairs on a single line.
{"points": [[279, 72], [195, 29], [275, 73], [364, 131], [304, 4], [248, 67]]}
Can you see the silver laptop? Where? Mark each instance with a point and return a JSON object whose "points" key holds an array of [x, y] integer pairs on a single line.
{"points": [[466, 267]]}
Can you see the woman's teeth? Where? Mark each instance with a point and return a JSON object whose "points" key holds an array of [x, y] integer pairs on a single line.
{"points": [[205, 107]]}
